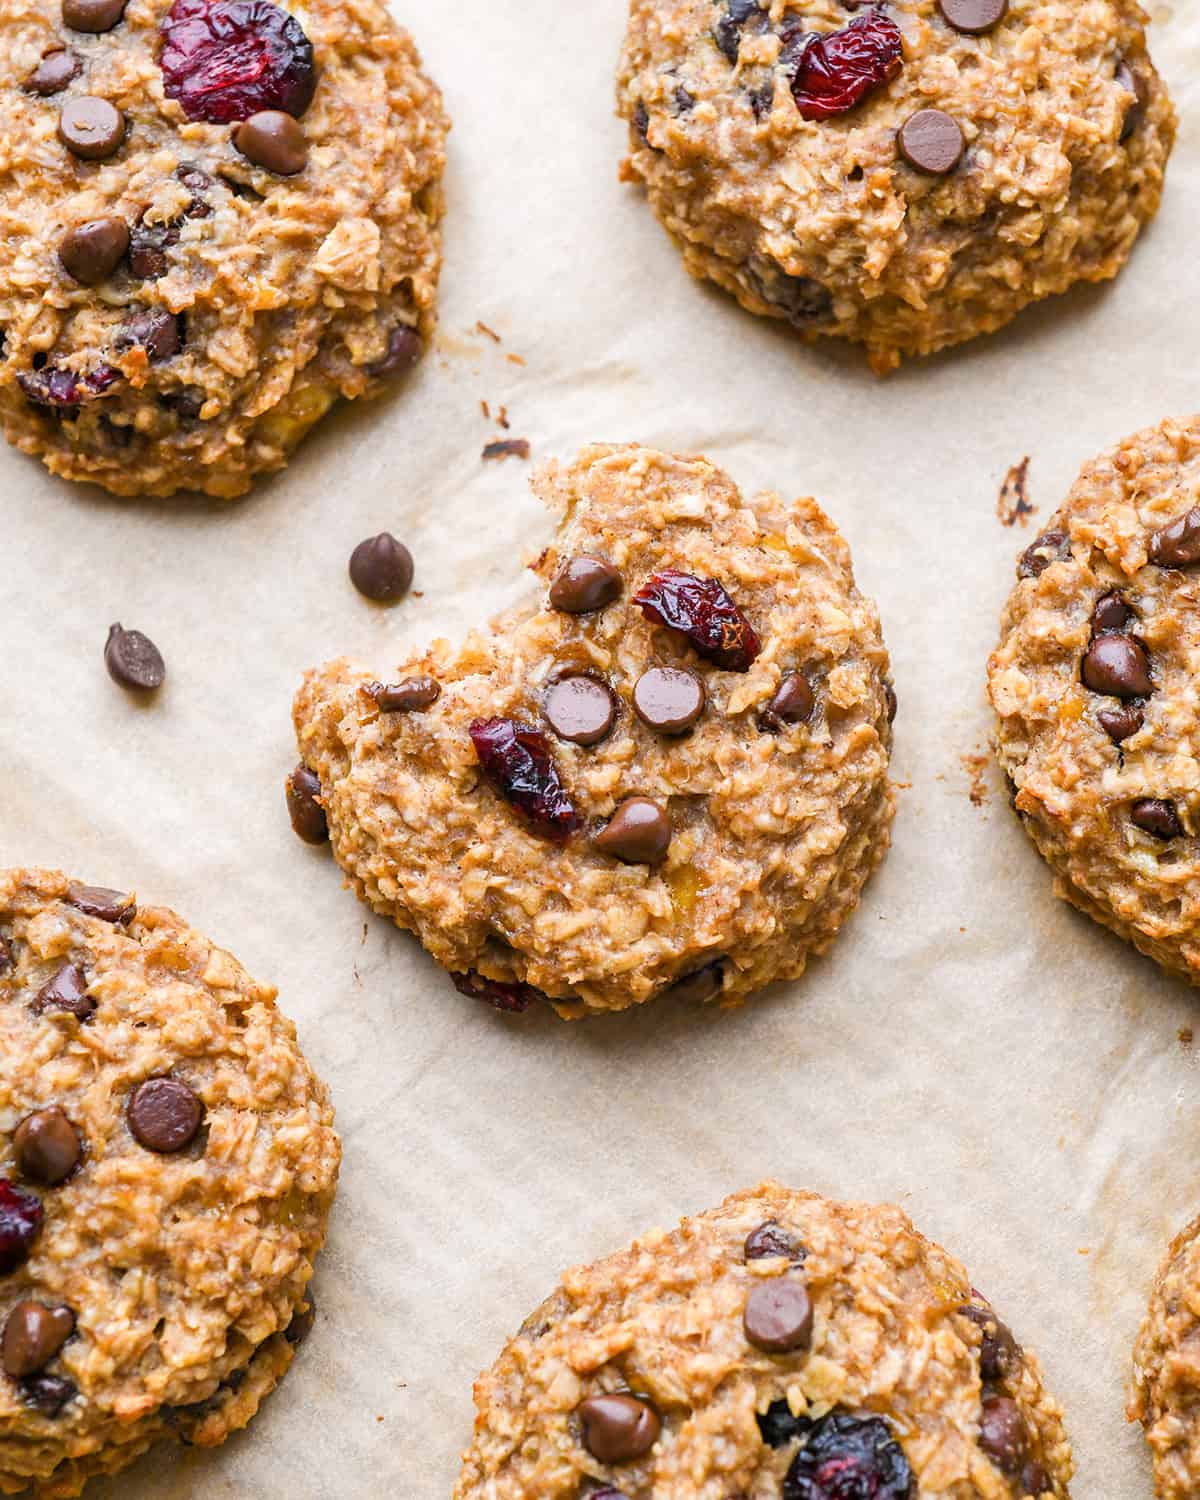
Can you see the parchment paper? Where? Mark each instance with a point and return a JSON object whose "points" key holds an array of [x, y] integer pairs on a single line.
{"points": [[971, 1048]]}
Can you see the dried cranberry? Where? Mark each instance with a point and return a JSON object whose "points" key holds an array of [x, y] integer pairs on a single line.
{"points": [[779, 1427], [513, 997], [225, 60], [21, 1217], [705, 613], [849, 1458], [837, 71], [516, 759], [63, 390]]}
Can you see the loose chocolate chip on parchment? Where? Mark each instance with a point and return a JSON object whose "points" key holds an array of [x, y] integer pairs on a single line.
{"points": [[133, 660], [381, 568], [302, 789]]}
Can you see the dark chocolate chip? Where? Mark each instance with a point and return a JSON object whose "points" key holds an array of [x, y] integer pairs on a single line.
{"points": [[164, 1115], [779, 1427], [413, 695], [793, 702], [381, 568], [638, 833], [148, 246], [579, 709], [1178, 545], [932, 141], [973, 16], [47, 1393], [91, 128], [1135, 85], [1050, 547], [55, 71], [402, 352], [641, 123], [617, 1427], [802, 300], [1117, 665], [998, 1350], [584, 584], [889, 698], [272, 139], [91, 252], [92, 15], [302, 1320], [703, 985], [1111, 613], [1034, 1480], [779, 1316], [1156, 816], [33, 1335], [65, 990], [1120, 723], [771, 1239], [46, 1146], [303, 788], [668, 699], [1003, 1435], [133, 660], [158, 332], [98, 901]]}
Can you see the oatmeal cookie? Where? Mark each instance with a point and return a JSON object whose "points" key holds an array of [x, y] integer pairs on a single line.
{"points": [[905, 176], [780, 1345], [668, 770], [1094, 683], [167, 1165], [1165, 1397], [216, 217]]}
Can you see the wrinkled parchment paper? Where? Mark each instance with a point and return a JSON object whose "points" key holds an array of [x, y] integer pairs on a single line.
{"points": [[972, 1049]]}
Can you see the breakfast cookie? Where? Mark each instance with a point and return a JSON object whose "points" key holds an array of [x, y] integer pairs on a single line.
{"points": [[216, 217], [778, 1346], [906, 176], [1165, 1397], [1094, 682], [167, 1165], [668, 771]]}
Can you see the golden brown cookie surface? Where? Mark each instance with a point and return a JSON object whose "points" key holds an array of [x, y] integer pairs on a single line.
{"points": [[907, 176], [215, 219], [167, 1165], [675, 811], [1166, 1375], [780, 1344]]}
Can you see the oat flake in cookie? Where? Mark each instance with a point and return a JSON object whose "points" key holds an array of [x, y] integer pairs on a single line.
{"points": [[167, 1165], [1094, 683], [1166, 1372], [906, 176], [216, 217], [778, 1346], [656, 824]]}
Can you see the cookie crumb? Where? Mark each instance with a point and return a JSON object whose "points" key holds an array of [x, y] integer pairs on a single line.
{"points": [[976, 767], [481, 327], [486, 410], [515, 359], [1012, 503], [507, 448], [1186, 1036], [503, 418]]}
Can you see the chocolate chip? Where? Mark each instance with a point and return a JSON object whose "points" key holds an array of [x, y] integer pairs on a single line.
{"points": [[1003, 1435], [133, 660], [65, 990], [617, 1428], [33, 1335], [802, 300], [973, 16], [381, 568], [771, 1239], [164, 1115], [584, 584], [1050, 547], [1156, 816], [699, 987], [413, 695], [1117, 665], [308, 816], [668, 699], [778, 1427], [1134, 84], [1120, 723], [55, 71], [641, 122], [46, 1146], [1178, 545], [148, 245], [48, 1393], [1034, 1480], [91, 252], [638, 833], [91, 128], [158, 332], [92, 15], [932, 141], [998, 1350], [302, 1320], [403, 351], [272, 139], [889, 698], [579, 709], [779, 1316], [6, 956], [98, 901], [1111, 613], [793, 702]]}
